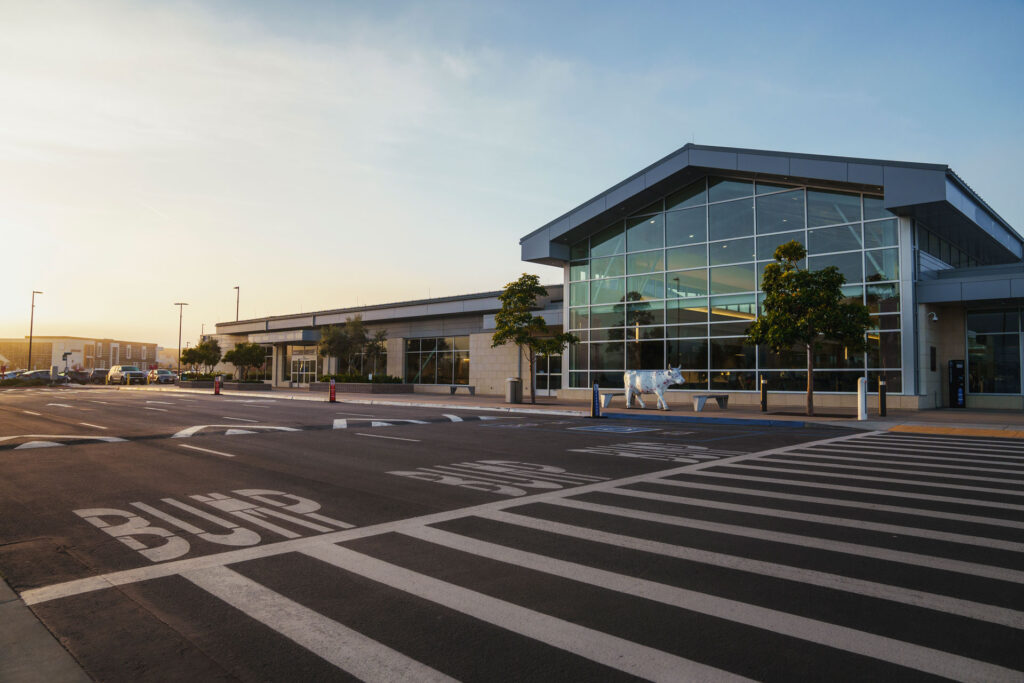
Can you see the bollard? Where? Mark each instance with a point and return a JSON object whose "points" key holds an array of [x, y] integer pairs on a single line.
{"points": [[216, 385], [862, 398], [595, 404], [764, 395], [333, 397], [881, 398]]}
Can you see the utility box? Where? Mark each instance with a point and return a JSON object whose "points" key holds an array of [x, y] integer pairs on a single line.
{"points": [[513, 390], [957, 385]]}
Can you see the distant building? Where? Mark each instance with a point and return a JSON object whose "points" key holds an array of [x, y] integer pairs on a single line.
{"points": [[86, 353]]}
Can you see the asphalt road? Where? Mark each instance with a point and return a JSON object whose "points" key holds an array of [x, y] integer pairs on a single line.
{"points": [[165, 536]]}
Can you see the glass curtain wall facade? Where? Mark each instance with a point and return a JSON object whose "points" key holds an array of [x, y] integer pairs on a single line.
{"points": [[437, 360], [678, 284], [994, 352]]}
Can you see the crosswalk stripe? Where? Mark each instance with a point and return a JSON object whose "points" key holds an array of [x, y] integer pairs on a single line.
{"points": [[825, 519], [889, 480], [612, 651], [856, 549], [876, 455], [343, 647], [1002, 442], [895, 470], [860, 489], [944, 444], [929, 451], [939, 603], [860, 505], [860, 642]]}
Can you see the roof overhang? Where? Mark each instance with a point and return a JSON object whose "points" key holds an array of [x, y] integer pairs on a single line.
{"points": [[931, 193]]}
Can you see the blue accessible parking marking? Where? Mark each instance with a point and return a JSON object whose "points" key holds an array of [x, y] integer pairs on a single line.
{"points": [[615, 429]]}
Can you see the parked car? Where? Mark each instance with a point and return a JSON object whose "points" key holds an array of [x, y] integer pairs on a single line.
{"points": [[13, 374], [98, 376], [79, 376], [44, 375], [161, 377], [126, 374]]}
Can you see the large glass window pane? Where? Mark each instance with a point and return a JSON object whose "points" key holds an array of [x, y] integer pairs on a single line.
{"points": [[691, 195], [645, 313], [579, 318], [790, 380], [686, 257], [762, 188], [611, 240], [686, 227], [729, 279], [794, 357], [445, 368], [881, 234], [780, 212], [580, 250], [831, 354], [428, 344], [732, 353], [766, 246], [579, 270], [686, 283], [993, 321], [827, 208], [883, 298], [731, 219], [445, 343], [410, 345], [428, 368], [612, 266], [884, 350], [657, 206], [849, 264], [461, 343], [881, 264], [645, 262], [607, 316], [579, 294], [873, 208], [462, 367], [893, 380], [607, 291], [607, 356], [645, 287], [610, 334], [689, 354], [721, 189], [729, 329], [412, 368], [686, 331], [731, 251], [645, 233], [683, 311], [733, 308], [993, 363], [733, 381], [579, 356], [840, 238], [645, 355], [836, 381]]}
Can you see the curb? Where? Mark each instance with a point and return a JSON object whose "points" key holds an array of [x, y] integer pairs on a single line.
{"points": [[30, 653]]}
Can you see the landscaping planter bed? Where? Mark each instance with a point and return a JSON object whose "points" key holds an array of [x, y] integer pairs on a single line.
{"points": [[247, 386], [363, 388]]}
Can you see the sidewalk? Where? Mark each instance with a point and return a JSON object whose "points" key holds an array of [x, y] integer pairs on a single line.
{"points": [[993, 423], [28, 651]]}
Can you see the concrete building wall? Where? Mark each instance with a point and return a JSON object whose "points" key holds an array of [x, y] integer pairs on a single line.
{"points": [[489, 368]]}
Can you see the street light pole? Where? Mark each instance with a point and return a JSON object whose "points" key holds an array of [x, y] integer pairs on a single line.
{"points": [[181, 308], [31, 324], [238, 296]]}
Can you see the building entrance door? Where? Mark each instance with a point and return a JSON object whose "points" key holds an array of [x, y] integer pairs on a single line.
{"points": [[548, 374], [303, 366]]}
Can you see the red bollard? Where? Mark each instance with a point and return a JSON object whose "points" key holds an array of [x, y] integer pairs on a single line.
{"points": [[332, 399], [216, 386]]}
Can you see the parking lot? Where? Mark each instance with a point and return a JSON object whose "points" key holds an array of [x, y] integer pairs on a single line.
{"points": [[178, 535]]}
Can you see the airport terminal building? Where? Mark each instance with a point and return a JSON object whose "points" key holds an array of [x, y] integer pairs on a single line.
{"points": [[664, 269]]}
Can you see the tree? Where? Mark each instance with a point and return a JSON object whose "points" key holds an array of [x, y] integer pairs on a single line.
{"points": [[209, 353], [245, 356], [191, 358], [376, 349], [806, 307], [516, 324], [344, 342]]}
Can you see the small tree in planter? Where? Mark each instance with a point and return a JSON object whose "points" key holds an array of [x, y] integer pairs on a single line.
{"points": [[344, 342], [376, 349], [516, 324], [245, 356], [806, 307], [209, 354]]}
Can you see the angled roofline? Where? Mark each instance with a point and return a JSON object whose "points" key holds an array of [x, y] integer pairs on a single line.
{"points": [[910, 188]]}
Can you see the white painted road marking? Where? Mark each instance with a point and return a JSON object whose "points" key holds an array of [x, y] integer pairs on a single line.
{"points": [[617, 653], [162, 410], [355, 414], [206, 450], [240, 419], [59, 405], [29, 412], [192, 431], [453, 418], [86, 424], [165, 403], [347, 649], [380, 436], [37, 444], [340, 423]]}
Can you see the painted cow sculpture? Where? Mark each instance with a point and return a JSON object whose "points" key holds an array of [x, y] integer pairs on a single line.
{"points": [[639, 382]]}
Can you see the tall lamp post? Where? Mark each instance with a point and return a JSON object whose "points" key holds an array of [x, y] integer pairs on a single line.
{"points": [[181, 308], [31, 324], [238, 296]]}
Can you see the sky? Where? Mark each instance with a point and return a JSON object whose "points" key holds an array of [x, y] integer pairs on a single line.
{"points": [[324, 154]]}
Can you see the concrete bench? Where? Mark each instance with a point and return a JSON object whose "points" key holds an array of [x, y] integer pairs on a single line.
{"points": [[452, 388], [700, 399], [606, 397]]}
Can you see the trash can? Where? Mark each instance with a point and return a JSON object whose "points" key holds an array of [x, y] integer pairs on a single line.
{"points": [[513, 390]]}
